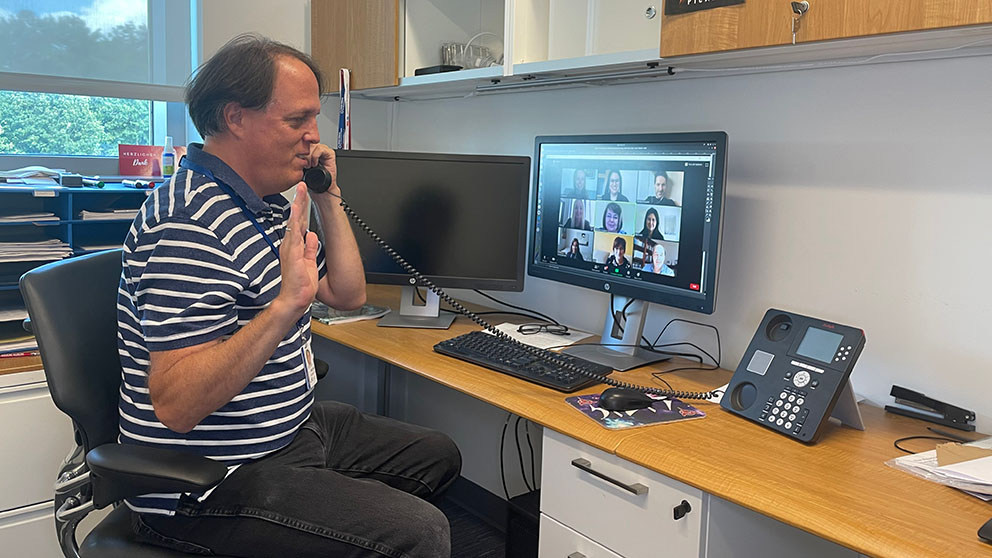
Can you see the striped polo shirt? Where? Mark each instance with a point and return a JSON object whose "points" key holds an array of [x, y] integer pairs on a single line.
{"points": [[195, 269]]}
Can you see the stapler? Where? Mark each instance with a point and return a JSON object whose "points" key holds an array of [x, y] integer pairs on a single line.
{"points": [[930, 409]]}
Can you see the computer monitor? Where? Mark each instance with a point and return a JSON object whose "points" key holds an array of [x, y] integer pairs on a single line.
{"points": [[635, 216], [460, 220]]}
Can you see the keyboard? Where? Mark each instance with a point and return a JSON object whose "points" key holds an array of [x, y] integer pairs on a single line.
{"points": [[504, 356]]}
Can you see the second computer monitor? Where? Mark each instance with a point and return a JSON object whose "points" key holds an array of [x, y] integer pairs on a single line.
{"points": [[458, 219]]}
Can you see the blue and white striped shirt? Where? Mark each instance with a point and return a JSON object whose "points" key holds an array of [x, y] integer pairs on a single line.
{"points": [[195, 269]]}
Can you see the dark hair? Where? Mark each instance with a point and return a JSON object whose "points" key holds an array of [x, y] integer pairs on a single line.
{"points": [[244, 72], [615, 207], [606, 181], [620, 242], [657, 219]]}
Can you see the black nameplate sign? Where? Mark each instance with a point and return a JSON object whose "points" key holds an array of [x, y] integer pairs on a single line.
{"points": [[673, 7]]}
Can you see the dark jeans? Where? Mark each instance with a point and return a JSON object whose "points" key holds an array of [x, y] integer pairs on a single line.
{"points": [[350, 484]]}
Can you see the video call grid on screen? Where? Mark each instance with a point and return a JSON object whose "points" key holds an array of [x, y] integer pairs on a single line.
{"points": [[620, 208]]}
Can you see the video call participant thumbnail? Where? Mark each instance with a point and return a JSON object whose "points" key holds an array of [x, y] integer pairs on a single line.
{"points": [[576, 218], [575, 245], [613, 187], [580, 184], [662, 190], [617, 261], [612, 220]]}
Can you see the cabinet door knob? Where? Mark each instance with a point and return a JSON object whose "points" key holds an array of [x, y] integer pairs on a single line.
{"points": [[680, 510], [636, 489]]}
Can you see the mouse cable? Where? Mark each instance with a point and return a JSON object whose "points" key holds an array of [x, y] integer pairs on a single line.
{"points": [[533, 475], [900, 448], [502, 471], [543, 354], [520, 453]]}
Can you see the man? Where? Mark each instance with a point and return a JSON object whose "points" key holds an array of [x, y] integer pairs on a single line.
{"points": [[218, 277], [662, 191]]}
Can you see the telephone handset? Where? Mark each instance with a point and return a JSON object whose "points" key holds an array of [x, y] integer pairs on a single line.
{"points": [[318, 180], [793, 373]]}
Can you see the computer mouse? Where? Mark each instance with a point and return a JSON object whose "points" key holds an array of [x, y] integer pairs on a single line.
{"points": [[985, 532], [622, 399]]}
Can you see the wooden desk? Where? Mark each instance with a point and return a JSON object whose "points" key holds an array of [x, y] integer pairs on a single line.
{"points": [[838, 489]]}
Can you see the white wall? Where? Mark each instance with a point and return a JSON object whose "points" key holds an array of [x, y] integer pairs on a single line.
{"points": [[287, 21], [859, 195]]}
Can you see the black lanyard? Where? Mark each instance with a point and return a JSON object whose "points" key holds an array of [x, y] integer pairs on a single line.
{"points": [[238, 200]]}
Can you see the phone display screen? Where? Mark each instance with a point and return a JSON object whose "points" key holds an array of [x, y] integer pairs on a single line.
{"points": [[819, 344]]}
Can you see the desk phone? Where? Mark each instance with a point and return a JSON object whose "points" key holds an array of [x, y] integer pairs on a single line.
{"points": [[793, 372]]}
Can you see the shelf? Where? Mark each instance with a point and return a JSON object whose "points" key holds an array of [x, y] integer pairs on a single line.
{"points": [[636, 66], [46, 223], [89, 221]]}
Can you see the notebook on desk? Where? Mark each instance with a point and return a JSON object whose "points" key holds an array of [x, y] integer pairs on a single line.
{"points": [[664, 410]]}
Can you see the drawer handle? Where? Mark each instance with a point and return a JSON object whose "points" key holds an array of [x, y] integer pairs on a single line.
{"points": [[636, 489], [576, 555]]}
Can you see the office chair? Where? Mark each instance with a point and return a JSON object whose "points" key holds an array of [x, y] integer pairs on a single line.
{"points": [[72, 306]]}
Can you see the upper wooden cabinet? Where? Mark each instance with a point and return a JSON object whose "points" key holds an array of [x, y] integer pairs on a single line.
{"points": [[758, 23], [755, 23], [837, 19], [361, 35]]}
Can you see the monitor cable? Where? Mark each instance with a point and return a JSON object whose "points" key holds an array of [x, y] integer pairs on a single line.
{"points": [[539, 353]]}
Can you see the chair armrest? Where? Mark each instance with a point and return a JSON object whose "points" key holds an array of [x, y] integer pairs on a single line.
{"points": [[119, 471], [321, 368]]}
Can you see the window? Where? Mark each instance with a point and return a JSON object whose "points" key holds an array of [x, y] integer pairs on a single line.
{"points": [[78, 77]]}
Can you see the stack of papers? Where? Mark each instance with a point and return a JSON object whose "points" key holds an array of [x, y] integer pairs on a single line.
{"points": [[973, 476], [13, 314], [35, 175], [42, 250], [543, 339], [28, 217], [13, 338], [25, 342], [112, 214]]}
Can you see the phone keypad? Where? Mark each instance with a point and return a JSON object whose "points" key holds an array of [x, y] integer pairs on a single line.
{"points": [[786, 411]]}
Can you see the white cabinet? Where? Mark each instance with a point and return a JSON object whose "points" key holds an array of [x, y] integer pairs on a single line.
{"points": [[29, 531], [580, 33], [468, 27], [35, 438], [595, 504], [385, 42], [622, 507], [560, 541]]}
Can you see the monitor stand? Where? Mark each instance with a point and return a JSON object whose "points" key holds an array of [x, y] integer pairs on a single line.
{"points": [[619, 345], [414, 314]]}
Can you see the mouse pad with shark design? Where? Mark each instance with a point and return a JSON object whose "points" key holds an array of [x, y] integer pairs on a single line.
{"points": [[661, 411]]}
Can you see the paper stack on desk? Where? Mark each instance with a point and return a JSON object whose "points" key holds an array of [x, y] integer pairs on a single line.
{"points": [[973, 476]]}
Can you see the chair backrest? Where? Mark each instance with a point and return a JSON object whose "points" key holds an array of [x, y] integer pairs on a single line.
{"points": [[73, 309]]}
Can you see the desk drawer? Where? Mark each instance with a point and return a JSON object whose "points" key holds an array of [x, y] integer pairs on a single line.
{"points": [[29, 531], [558, 541], [580, 488], [35, 438]]}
